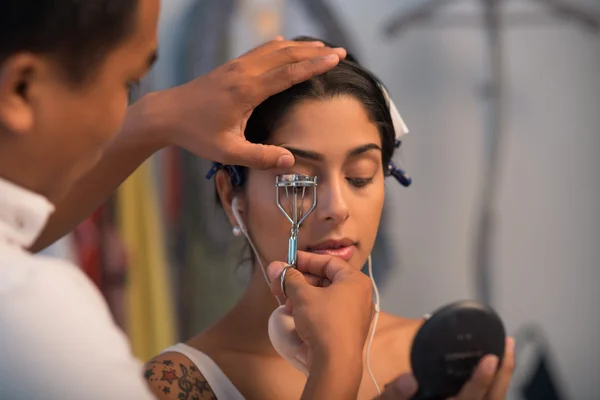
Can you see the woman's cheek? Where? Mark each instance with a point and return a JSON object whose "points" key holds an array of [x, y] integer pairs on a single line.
{"points": [[269, 227]]}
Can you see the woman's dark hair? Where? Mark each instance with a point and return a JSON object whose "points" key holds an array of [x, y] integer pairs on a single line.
{"points": [[348, 78], [78, 32]]}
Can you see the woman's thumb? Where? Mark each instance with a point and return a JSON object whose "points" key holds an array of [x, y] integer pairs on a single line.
{"points": [[401, 388]]}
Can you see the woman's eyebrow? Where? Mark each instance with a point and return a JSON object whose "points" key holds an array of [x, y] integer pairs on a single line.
{"points": [[363, 149], [307, 154], [314, 156]]}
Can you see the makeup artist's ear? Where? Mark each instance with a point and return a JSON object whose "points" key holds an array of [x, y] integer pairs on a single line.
{"points": [[226, 193], [17, 77]]}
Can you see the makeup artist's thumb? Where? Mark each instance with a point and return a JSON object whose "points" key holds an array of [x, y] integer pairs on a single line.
{"points": [[258, 156], [294, 280], [401, 388]]}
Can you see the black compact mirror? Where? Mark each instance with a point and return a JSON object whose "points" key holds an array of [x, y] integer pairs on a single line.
{"points": [[450, 344]]}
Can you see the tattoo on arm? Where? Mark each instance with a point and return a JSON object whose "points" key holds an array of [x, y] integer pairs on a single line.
{"points": [[185, 381]]}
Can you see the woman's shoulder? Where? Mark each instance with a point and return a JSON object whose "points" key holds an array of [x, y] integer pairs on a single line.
{"points": [[390, 324], [393, 340], [172, 375]]}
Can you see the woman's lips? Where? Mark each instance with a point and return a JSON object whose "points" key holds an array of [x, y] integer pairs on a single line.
{"points": [[345, 253]]}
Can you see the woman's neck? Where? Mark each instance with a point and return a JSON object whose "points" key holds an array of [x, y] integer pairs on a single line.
{"points": [[245, 327]]}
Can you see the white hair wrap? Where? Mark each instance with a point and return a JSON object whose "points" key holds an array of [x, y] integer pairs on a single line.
{"points": [[399, 126]]}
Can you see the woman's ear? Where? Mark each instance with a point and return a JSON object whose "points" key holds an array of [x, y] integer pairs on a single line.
{"points": [[227, 193]]}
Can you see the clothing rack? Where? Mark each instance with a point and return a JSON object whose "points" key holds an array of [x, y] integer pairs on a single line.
{"points": [[493, 22]]}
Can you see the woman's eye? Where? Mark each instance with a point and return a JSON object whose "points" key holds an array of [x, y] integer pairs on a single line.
{"points": [[359, 182], [299, 172]]}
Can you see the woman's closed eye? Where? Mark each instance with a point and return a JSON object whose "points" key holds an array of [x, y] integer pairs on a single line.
{"points": [[360, 182], [361, 172], [298, 170]]}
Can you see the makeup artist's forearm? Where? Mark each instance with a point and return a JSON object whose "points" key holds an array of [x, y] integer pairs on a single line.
{"points": [[334, 378], [135, 143]]}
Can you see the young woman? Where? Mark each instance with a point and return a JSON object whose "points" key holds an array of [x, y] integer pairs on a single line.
{"points": [[340, 129]]}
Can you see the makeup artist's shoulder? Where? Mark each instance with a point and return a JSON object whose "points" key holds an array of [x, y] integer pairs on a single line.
{"points": [[172, 375]]}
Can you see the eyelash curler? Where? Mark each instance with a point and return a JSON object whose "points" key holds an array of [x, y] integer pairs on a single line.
{"points": [[294, 188]]}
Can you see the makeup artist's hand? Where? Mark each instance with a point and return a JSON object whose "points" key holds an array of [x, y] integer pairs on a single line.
{"points": [[487, 383], [208, 115], [331, 323], [333, 319]]}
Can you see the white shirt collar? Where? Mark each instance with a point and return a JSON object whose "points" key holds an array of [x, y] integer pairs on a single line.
{"points": [[23, 214]]}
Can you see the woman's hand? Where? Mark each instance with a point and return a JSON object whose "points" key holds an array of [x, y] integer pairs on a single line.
{"points": [[208, 115], [487, 382]]}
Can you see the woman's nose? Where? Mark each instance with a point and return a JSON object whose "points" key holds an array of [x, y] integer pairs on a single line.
{"points": [[331, 202]]}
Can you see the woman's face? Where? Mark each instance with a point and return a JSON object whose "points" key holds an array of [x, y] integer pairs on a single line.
{"points": [[335, 141]]}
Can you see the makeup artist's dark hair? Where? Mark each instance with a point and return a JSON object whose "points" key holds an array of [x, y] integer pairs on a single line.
{"points": [[348, 78], [79, 33]]}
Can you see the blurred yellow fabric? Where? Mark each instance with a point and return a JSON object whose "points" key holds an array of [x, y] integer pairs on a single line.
{"points": [[150, 309]]}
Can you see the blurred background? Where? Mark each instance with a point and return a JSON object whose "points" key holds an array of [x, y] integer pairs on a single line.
{"points": [[162, 252]]}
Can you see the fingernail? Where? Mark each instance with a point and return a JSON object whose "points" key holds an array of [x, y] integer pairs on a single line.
{"points": [[490, 365], [273, 270], [331, 57], [318, 44], [406, 385], [285, 161], [510, 345]]}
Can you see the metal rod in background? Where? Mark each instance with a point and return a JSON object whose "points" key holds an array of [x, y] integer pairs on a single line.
{"points": [[493, 111]]}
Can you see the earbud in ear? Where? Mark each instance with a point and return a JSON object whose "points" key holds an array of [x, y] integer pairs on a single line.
{"points": [[237, 231]]}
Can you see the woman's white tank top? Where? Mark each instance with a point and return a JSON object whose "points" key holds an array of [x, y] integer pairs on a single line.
{"points": [[220, 384]]}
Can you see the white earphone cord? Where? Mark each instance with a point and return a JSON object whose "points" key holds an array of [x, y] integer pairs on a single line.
{"points": [[262, 267], [375, 320], [242, 227]]}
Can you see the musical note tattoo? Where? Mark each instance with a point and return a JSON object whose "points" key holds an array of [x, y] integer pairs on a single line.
{"points": [[186, 384]]}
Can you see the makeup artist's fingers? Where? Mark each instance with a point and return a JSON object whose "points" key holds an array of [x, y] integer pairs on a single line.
{"points": [[504, 375], [479, 384], [287, 75], [335, 319], [313, 280], [316, 281], [324, 266], [274, 271], [257, 155], [314, 270], [276, 44], [288, 59], [294, 280]]}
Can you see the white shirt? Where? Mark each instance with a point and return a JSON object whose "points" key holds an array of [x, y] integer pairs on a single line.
{"points": [[57, 336]]}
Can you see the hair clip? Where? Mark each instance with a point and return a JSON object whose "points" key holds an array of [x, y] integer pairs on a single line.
{"points": [[399, 174], [234, 172]]}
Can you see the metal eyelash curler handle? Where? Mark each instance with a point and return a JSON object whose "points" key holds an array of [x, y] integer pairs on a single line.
{"points": [[295, 186]]}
